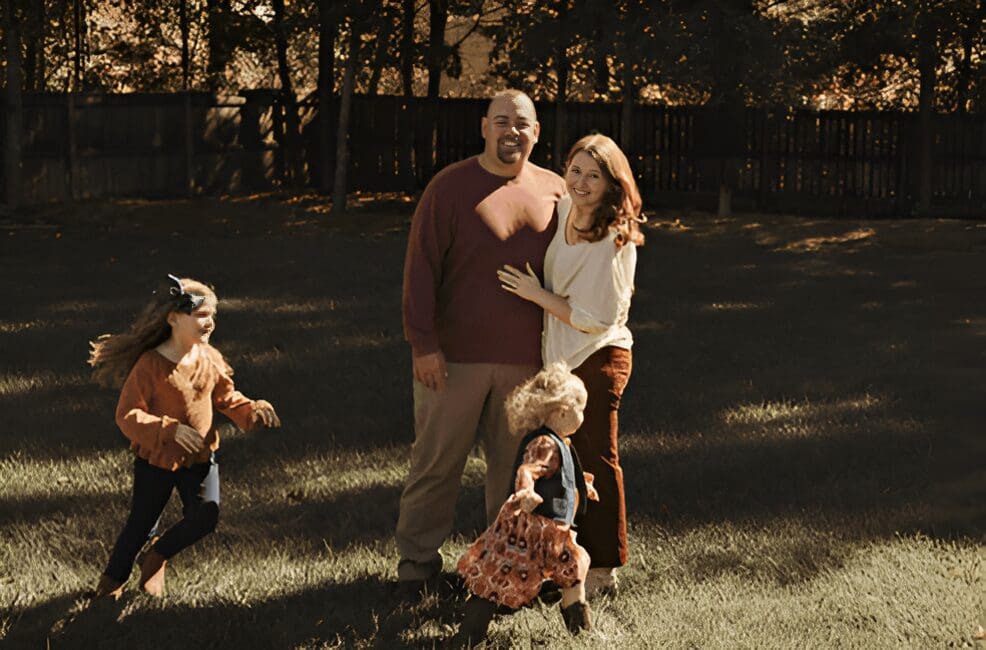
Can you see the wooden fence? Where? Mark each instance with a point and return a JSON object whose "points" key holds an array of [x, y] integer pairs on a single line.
{"points": [[834, 162]]}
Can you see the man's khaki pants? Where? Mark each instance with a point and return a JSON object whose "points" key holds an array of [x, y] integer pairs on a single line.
{"points": [[446, 427]]}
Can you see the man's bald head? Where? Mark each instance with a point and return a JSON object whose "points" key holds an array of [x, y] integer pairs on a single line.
{"points": [[510, 129], [516, 98]]}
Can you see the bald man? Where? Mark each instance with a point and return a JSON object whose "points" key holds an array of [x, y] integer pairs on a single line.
{"points": [[471, 342]]}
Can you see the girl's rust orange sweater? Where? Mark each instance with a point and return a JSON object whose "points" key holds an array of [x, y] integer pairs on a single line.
{"points": [[159, 394]]}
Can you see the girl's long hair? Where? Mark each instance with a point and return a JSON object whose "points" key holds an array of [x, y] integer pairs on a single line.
{"points": [[113, 355], [619, 210], [529, 405]]}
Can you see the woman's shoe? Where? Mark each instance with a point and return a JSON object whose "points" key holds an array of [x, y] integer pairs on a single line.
{"points": [[601, 582], [576, 617], [152, 573]]}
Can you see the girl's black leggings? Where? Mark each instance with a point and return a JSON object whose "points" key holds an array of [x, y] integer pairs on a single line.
{"points": [[198, 487]]}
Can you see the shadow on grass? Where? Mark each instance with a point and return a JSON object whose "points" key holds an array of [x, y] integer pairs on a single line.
{"points": [[365, 612], [366, 516], [18, 510], [721, 319]]}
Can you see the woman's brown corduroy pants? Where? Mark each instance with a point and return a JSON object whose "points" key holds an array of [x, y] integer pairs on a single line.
{"points": [[603, 529]]}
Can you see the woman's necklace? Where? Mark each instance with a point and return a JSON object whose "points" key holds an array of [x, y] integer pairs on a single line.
{"points": [[573, 233]]}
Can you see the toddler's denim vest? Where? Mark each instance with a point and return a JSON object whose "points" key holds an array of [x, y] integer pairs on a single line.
{"points": [[564, 491]]}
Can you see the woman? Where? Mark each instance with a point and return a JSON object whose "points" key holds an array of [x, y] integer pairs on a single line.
{"points": [[588, 270]]}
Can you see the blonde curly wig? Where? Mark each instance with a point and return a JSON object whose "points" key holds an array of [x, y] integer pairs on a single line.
{"points": [[529, 405]]}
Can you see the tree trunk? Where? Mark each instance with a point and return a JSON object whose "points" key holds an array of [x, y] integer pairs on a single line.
{"points": [[327, 27], [965, 68], [66, 38], [77, 15], [380, 54], [436, 45], [560, 144], [626, 110], [406, 135], [436, 60], [339, 188], [219, 46], [927, 61], [601, 64], [288, 99], [12, 153], [183, 25], [31, 43], [727, 98], [725, 208], [41, 67]]}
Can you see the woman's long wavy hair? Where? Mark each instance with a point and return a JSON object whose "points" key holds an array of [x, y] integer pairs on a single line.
{"points": [[113, 355], [529, 405], [619, 210]]}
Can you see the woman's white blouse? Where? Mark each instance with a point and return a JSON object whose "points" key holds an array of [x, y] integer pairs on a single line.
{"points": [[597, 280]]}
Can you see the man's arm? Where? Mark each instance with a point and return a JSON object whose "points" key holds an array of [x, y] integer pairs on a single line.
{"points": [[427, 243]]}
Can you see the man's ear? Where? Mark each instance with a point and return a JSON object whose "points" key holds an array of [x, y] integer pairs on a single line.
{"points": [[537, 131], [483, 126]]}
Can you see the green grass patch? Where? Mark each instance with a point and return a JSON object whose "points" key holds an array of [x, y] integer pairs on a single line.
{"points": [[802, 435]]}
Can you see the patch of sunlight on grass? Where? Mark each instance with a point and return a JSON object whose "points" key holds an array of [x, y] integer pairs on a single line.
{"points": [[315, 325], [674, 225], [899, 586], [366, 341], [789, 584], [275, 357], [253, 574], [73, 306], [814, 244], [735, 306], [329, 475], [271, 305], [21, 383], [650, 442], [651, 326], [13, 327], [770, 412], [785, 552], [22, 477]]}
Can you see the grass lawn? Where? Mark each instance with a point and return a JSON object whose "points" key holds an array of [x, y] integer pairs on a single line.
{"points": [[802, 437]]}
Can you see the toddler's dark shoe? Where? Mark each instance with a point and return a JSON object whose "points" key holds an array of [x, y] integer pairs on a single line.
{"points": [[576, 617], [475, 624]]}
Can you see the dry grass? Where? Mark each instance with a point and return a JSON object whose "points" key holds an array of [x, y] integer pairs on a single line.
{"points": [[802, 434]]}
